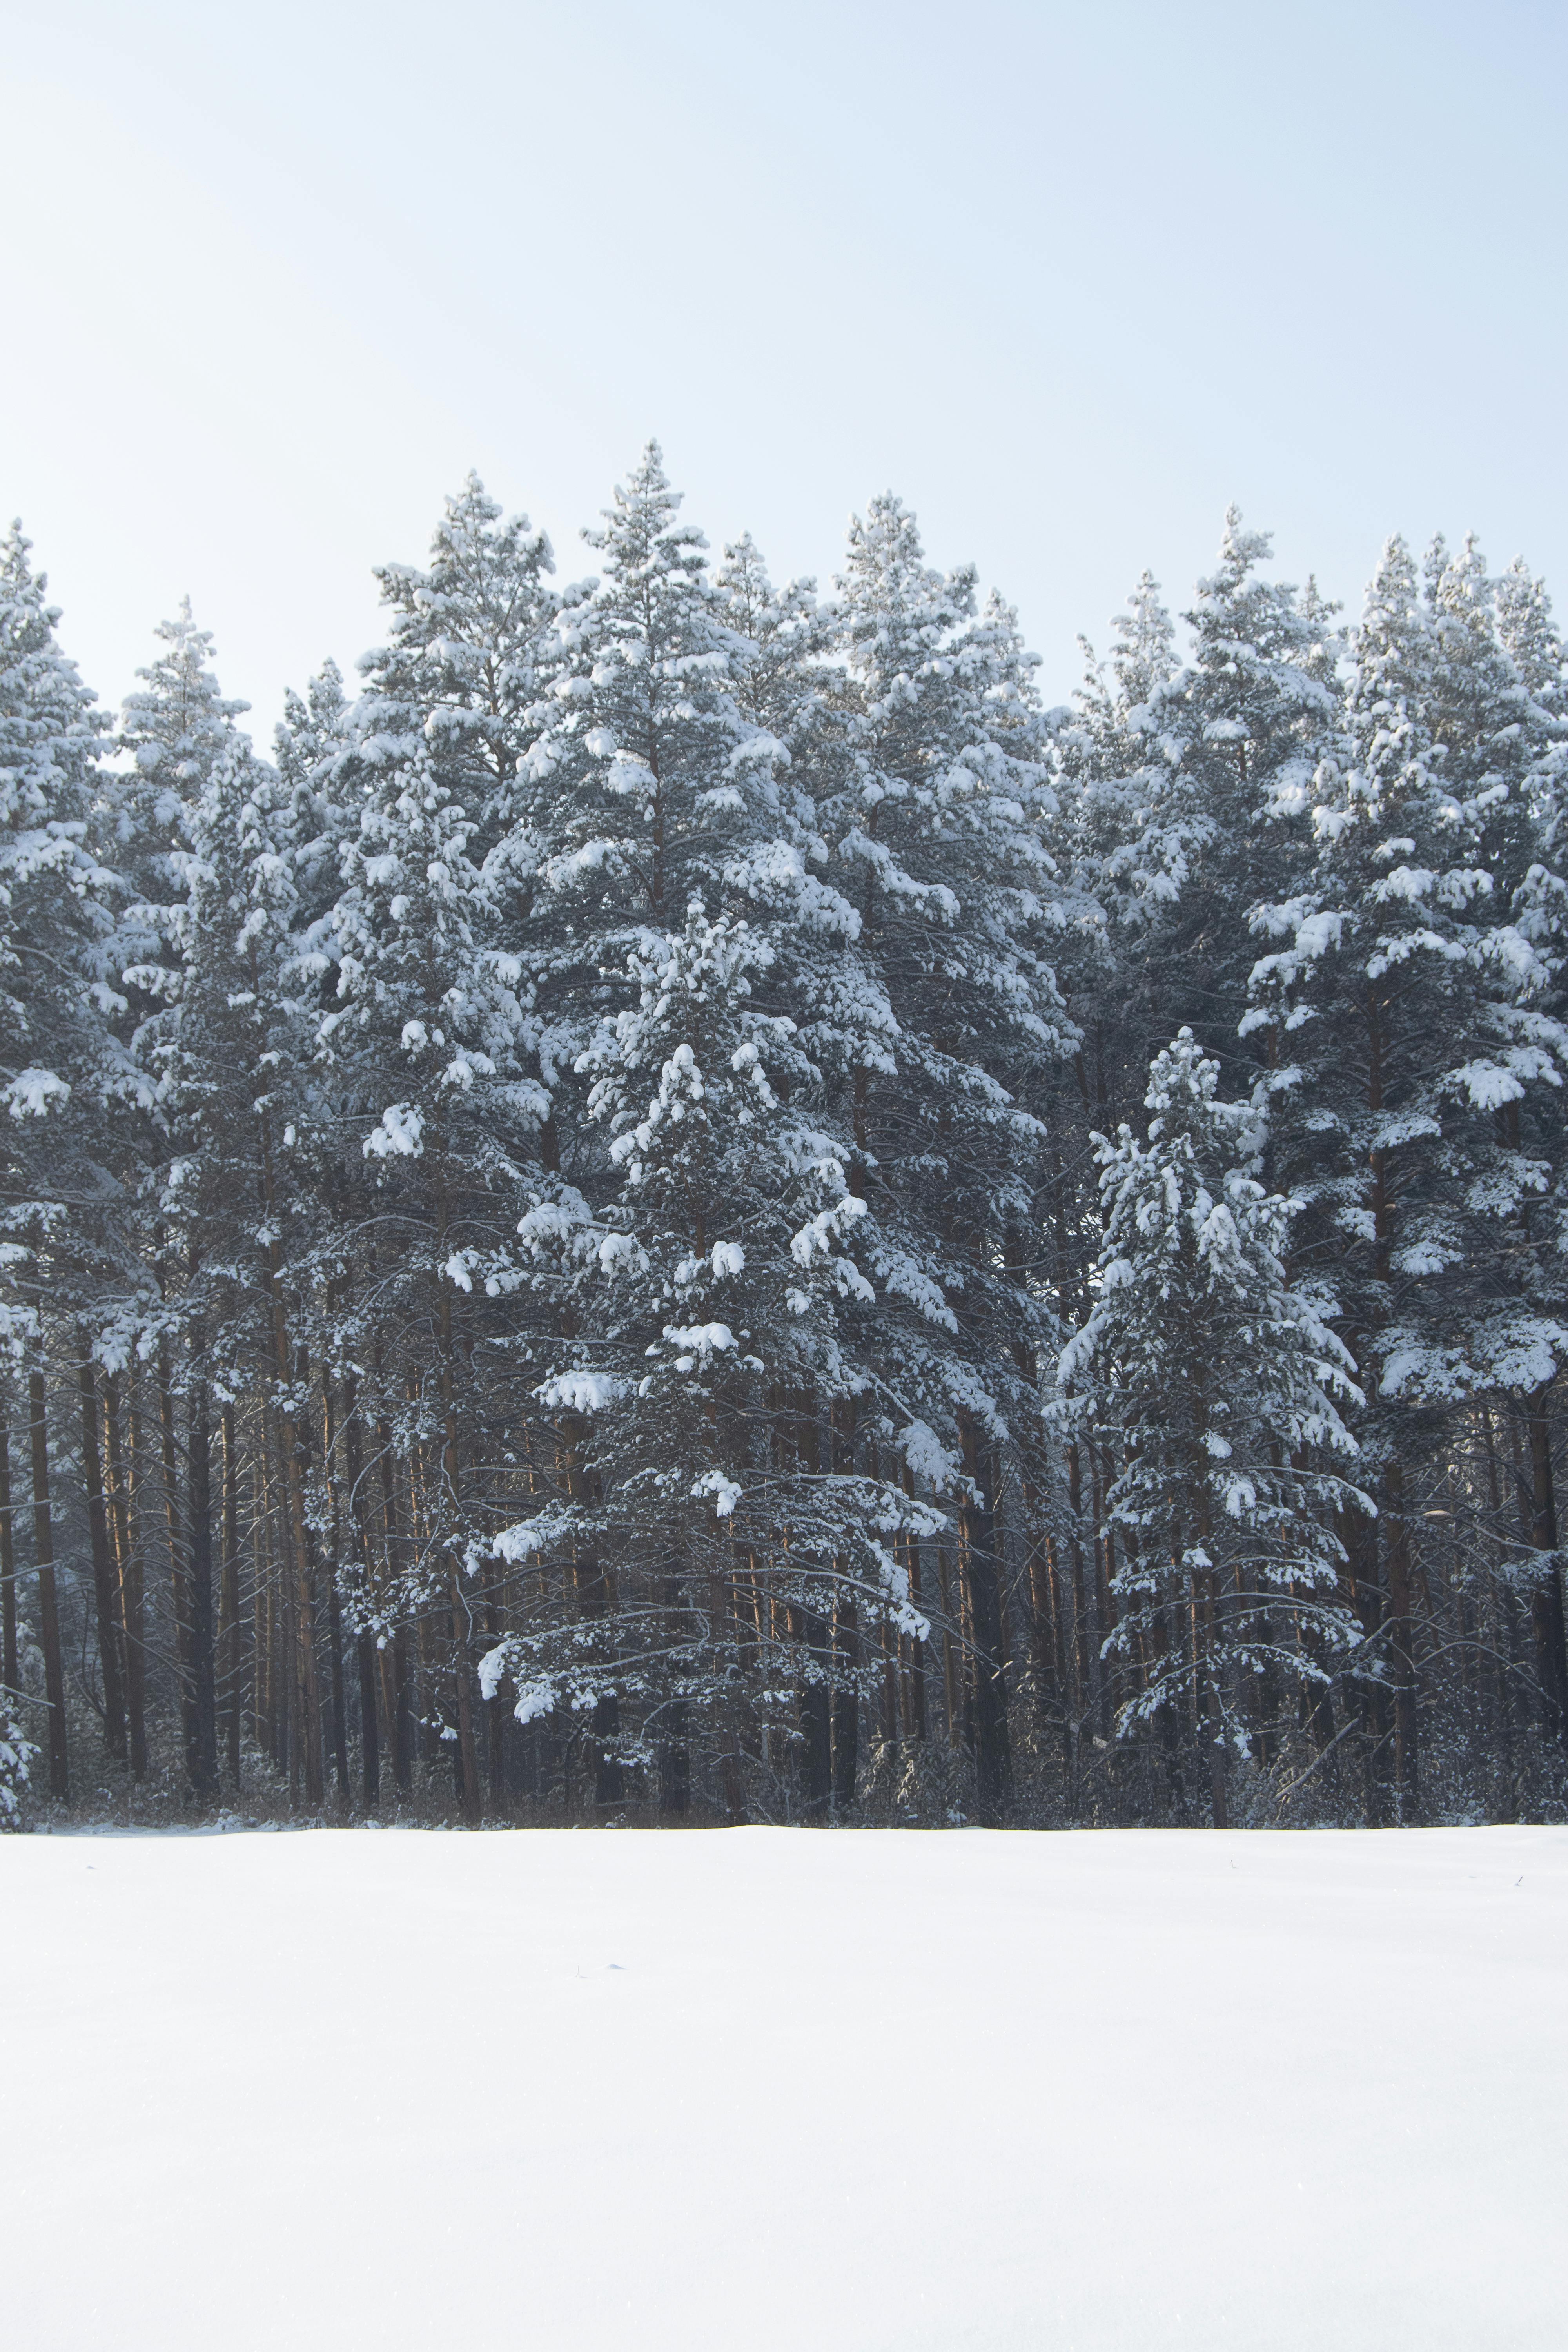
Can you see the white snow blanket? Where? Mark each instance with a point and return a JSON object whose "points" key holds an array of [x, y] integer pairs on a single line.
{"points": [[759, 2088]]}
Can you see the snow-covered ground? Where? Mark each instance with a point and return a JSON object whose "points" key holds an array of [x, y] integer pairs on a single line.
{"points": [[758, 2088]]}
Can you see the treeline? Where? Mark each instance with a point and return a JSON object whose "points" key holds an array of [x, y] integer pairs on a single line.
{"points": [[690, 1206]]}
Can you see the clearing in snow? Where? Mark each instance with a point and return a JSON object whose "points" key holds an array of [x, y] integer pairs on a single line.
{"points": [[754, 2089]]}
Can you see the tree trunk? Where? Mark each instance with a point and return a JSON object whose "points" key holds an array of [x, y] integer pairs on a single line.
{"points": [[109, 1640], [229, 1639], [1213, 1709], [470, 1795], [127, 1481], [359, 1520], [992, 1758], [307, 1708], [1501, 1793], [179, 1579], [950, 1705], [403, 1726], [202, 1757], [302, 1684], [369, 1723], [917, 1670], [1546, 1609], [461, 1620], [811, 1633], [261, 1611], [846, 1706], [1401, 1642], [495, 1721], [816, 1757], [334, 1590], [49, 1598], [1083, 1682], [10, 1667], [402, 1691], [340, 1697]]}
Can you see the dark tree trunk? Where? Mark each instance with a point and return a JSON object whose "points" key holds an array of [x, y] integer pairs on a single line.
{"points": [[993, 1757], [127, 1477], [845, 1718], [916, 1725], [10, 1667], [260, 1612], [334, 1591], [300, 1683], [179, 1570], [816, 1753], [949, 1671], [369, 1723], [675, 1764], [1401, 1644], [202, 1753], [1083, 1672], [1546, 1602], [365, 1650], [340, 1700], [470, 1794], [495, 1721], [843, 1723], [403, 1726], [1214, 1715], [1360, 1589], [49, 1598], [608, 1778], [231, 1660], [594, 1599], [290, 1725], [674, 1754], [109, 1635]]}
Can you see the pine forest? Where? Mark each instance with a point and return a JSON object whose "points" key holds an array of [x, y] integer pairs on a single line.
{"points": [[690, 1205]]}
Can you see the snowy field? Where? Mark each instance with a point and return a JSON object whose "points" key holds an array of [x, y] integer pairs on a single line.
{"points": [[758, 2089]]}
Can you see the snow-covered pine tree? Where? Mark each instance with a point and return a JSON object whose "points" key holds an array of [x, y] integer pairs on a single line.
{"points": [[56, 1055], [777, 667], [627, 791], [238, 1211], [945, 1025], [713, 1549], [1253, 713], [451, 701], [470, 657], [176, 733], [17, 1755], [1499, 749], [50, 746], [663, 780], [172, 731], [1217, 1389], [1415, 1062], [314, 748], [1125, 828], [424, 1048]]}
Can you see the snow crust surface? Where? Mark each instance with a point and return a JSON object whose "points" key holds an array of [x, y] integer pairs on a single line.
{"points": [[760, 2088]]}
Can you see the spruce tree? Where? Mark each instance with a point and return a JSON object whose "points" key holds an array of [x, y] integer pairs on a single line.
{"points": [[714, 1538], [1415, 1062], [470, 657], [57, 1060], [424, 1054], [944, 1028], [1218, 1389]]}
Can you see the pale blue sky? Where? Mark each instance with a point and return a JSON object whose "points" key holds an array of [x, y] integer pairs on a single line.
{"points": [[1069, 279]]}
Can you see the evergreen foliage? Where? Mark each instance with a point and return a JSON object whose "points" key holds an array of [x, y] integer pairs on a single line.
{"points": [[690, 1205]]}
